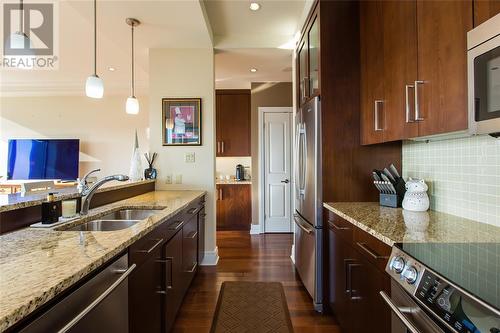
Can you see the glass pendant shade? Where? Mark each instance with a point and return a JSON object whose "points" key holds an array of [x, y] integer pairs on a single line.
{"points": [[94, 87], [132, 105]]}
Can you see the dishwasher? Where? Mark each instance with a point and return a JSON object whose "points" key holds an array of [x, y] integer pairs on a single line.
{"points": [[99, 305]]}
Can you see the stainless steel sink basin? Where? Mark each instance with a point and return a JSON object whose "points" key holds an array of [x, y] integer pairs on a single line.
{"points": [[130, 214], [104, 225], [120, 219]]}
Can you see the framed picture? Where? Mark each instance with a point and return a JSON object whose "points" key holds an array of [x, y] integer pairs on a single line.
{"points": [[181, 121]]}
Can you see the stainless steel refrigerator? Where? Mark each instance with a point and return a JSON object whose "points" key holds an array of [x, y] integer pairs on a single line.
{"points": [[308, 200]]}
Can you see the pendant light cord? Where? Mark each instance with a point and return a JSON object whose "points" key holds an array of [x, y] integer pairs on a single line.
{"points": [[133, 90], [21, 16], [95, 37]]}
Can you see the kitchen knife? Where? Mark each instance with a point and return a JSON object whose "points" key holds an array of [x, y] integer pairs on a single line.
{"points": [[382, 187], [375, 176], [378, 186], [386, 178], [392, 188], [389, 175], [394, 171]]}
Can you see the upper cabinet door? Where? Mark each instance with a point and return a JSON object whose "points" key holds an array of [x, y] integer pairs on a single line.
{"points": [[302, 62], [372, 72], [441, 89], [233, 123], [484, 10], [400, 68], [313, 47]]}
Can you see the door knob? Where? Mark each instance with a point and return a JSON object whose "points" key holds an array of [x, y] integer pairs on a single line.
{"points": [[286, 181]]}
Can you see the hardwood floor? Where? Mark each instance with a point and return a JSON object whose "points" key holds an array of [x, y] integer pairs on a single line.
{"points": [[250, 258]]}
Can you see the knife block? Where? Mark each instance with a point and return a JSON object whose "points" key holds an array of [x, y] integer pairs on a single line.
{"points": [[390, 200]]}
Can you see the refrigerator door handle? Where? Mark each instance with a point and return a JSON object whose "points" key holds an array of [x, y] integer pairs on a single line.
{"points": [[300, 224], [297, 158], [304, 161]]}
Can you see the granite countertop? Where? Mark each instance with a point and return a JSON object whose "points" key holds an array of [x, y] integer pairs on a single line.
{"points": [[233, 182], [38, 264], [20, 200], [394, 225]]}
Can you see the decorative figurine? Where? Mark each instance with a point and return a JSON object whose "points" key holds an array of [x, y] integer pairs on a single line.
{"points": [[416, 198]]}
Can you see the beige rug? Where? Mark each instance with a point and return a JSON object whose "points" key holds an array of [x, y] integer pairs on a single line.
{"points": [[251, 307]]}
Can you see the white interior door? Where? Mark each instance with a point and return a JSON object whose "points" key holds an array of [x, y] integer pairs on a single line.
{"points": [[277, 171]]}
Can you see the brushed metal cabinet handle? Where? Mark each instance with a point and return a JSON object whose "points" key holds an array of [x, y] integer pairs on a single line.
{"points": [[218, 147], [98, 300], [192, 210], [407, 101], [337, 227], [222, 147], [177, 226], [192, 235], [370, 252], [376, 123], [417, 104], [409, 325], [192, 269], [158, 242]]}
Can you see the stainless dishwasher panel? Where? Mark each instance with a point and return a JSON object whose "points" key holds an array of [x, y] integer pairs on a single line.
{"points": [[98, 306], [407, 316]]}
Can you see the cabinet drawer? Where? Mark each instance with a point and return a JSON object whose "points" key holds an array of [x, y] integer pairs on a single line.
{"points": [[190, 249], [342, 227], [144, 248], [371, 248]]}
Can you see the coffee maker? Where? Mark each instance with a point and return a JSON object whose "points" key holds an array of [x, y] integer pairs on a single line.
{"points": [[240, 172]]}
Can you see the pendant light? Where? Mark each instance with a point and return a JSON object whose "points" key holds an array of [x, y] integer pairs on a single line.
{"points": [[132, 105], [94, 87]]}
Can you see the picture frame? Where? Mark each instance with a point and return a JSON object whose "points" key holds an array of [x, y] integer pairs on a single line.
{"points": [[181, 122]]}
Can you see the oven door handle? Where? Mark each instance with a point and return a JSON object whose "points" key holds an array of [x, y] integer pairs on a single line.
{"points": [[399, 313]]}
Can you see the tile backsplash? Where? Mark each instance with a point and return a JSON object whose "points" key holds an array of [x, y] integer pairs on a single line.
{"points": [[463, 175]]}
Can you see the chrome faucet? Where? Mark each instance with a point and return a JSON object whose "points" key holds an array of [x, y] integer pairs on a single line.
{"points": [[83, 185], [88, 193]]}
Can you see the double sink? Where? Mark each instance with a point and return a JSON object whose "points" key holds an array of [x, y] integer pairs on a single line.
{"points": [[117, 220]]}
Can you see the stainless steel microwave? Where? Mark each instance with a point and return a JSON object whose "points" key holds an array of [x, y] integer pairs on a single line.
{"points": [[483, 61]]}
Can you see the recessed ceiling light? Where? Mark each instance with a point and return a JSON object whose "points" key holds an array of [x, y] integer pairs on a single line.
{"points": [[111, 69], [254, 6], [253, 70]]}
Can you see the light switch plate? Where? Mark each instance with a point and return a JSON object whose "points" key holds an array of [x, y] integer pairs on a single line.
{"points": [[178, 179], [189, 157]]}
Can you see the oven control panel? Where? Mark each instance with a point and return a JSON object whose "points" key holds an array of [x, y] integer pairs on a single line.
{"points": [[454, 307]]}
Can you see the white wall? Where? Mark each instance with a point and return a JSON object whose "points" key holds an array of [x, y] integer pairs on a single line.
{"points": [[105, 131], [185, 73]]}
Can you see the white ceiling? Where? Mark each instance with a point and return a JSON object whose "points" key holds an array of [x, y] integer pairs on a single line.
{"points": [[165, 24], [232, 67], [234, 25], [244, 39]]}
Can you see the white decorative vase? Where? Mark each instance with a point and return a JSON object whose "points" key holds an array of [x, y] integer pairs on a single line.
{"points": [[135, 172], [416, 198]]}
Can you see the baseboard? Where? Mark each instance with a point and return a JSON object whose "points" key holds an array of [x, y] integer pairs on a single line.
{"points": [[255, 229], [292, 255], [211, 258]]}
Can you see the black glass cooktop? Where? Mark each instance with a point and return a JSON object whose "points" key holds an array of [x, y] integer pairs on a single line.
{"points": [[473, 266]]}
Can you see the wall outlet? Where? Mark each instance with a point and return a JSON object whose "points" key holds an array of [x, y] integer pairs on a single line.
{"points": [[168, 179], [189, 157], [178, 179]]}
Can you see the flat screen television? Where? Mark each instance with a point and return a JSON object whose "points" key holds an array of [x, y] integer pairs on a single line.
{"points": [[43, 159]]}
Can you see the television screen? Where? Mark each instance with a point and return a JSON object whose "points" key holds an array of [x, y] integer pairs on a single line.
{"points": [[43, 159]]}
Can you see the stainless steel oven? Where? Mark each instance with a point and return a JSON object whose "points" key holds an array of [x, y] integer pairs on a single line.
{"points": [[483, 59]]}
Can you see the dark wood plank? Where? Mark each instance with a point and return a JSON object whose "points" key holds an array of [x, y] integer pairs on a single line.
{"points": [[234, 207], [485, 9], [250, 258], [400, 66], [442, 65], [233, 122]]}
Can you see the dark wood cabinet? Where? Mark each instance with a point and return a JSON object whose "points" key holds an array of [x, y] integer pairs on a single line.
{"points": [[233, 112], [167, 261], [174, 280], [201, 235], [484, 10], [413, 68], [441, 86], [234, 207], [308, 60], [145, 283], [356, 262]]}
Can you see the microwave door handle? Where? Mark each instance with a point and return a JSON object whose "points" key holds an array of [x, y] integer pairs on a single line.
{"points": [[399, 313]]}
